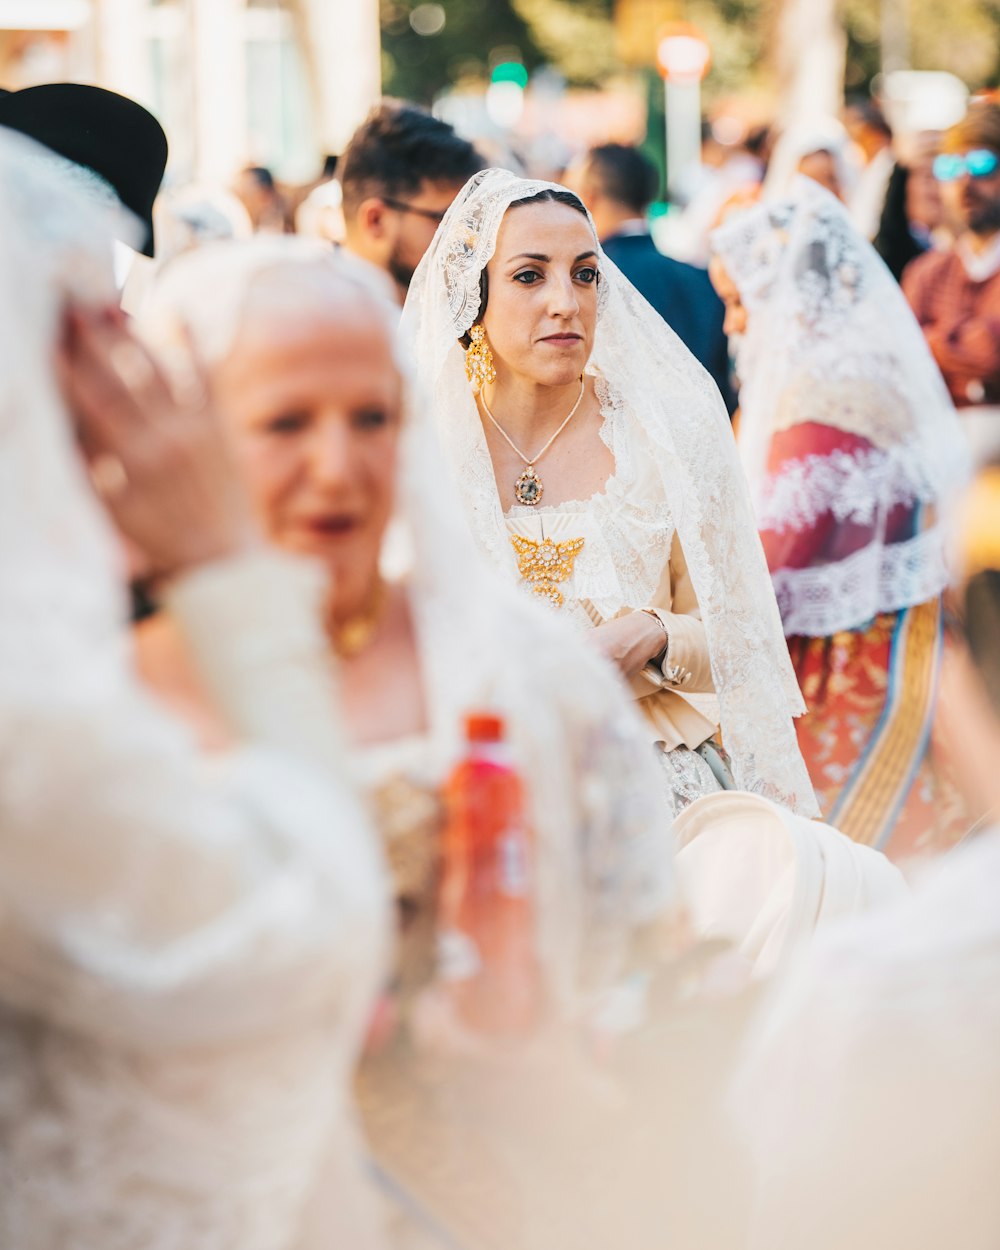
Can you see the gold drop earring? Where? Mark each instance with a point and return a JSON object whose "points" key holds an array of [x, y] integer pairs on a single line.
{"points": [[479, 367]]}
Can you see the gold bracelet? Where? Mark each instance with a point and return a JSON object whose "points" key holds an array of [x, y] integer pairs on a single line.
{"points": [[661, 655]]}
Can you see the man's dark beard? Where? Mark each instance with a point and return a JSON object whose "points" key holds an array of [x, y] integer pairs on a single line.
{"points": [[984, 218], [400, 272]]}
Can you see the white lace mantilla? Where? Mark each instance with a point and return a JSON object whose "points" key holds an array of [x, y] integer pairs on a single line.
{"points": [[187, 954], [602, 870], [832, 349]]}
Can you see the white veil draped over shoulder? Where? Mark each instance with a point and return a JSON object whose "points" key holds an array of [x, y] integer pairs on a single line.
{"points": [[62, 606], [677, 420], [833, 346], [176, 940], [592, 786]]}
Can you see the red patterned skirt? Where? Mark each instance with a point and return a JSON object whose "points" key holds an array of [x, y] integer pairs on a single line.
{"points": [[880, 774]]}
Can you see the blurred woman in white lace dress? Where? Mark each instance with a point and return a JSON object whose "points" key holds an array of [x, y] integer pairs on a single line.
{"points": [[593, 459], [189, 951]]}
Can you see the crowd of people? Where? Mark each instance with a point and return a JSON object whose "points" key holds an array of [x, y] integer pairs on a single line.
{"points": [[434, 458]]}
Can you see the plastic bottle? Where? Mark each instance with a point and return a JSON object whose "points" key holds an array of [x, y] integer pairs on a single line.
{"points": [[487, 946]]}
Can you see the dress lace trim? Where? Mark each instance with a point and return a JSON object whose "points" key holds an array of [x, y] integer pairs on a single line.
{"points": [[854, 486], [827, 598]]}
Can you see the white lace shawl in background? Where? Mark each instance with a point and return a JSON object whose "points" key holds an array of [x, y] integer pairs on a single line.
{"points": [[832, 341], [676, 411]]}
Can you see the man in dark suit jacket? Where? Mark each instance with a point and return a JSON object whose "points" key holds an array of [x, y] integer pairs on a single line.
{"points": [[618, 183]]}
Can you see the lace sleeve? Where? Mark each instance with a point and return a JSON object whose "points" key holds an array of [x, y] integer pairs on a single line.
{"points": [[151, 897], [687, 663]]}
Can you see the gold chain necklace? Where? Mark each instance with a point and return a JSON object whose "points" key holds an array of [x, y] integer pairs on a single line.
{"points": [[528, 488], [353, 635]]}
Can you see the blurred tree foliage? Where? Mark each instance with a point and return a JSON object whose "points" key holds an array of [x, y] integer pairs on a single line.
{"points": [[961, 36], [577, 37], [420, 67]]}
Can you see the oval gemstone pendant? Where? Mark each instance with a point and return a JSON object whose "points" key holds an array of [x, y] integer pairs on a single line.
{"points": [[528, 487]]}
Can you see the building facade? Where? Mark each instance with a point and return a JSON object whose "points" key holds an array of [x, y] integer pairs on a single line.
{"points": [[271, 82]]}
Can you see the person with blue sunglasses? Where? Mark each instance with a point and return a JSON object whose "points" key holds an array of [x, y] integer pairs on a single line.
{"points": [[956, 293], [979, 163]]}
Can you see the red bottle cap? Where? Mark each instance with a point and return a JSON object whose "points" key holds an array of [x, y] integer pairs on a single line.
{"points": [[484, 727]]}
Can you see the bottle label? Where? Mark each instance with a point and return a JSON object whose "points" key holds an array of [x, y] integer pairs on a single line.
{"points": [[458, 959], [512, 854]]}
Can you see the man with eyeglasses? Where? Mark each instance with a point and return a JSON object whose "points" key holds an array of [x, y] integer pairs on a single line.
{"points": [[400, 173], [956, 294]]}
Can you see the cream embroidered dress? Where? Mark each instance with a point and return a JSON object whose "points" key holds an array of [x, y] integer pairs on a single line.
{"points": [[611, 549], [595, 559]]}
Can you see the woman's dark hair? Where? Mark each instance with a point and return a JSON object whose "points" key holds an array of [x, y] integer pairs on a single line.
{"points": [[895, 242], [546, 196]]}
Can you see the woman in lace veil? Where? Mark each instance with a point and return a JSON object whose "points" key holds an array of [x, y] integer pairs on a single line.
{"points": [[444, 638], [190, 954], [851, 445], [645, 535]]}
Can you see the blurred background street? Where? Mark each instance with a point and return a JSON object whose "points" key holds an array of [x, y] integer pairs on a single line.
{"points": [[283, 83]]}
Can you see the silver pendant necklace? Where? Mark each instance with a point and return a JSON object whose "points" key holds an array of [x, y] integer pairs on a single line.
{"points": [[529, 487]]}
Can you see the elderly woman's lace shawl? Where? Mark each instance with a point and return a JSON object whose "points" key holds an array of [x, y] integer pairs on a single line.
{"points": [[832, 348], [655, 384]]}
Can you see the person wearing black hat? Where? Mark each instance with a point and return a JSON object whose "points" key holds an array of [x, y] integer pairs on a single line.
{"points": [[107, 134], [112, 148]]}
